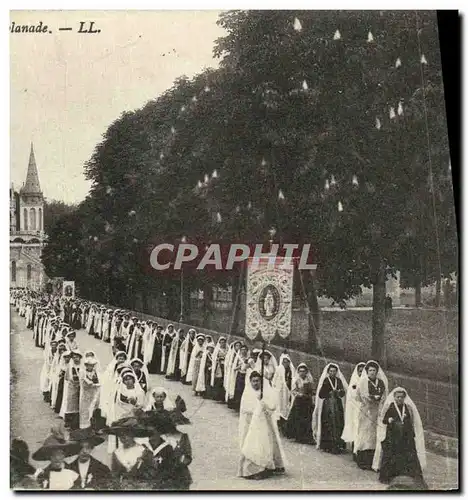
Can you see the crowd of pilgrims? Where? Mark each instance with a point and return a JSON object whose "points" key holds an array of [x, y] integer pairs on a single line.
{"points": [[382, 429]]}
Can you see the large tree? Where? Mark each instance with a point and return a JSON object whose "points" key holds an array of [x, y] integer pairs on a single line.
{"points": [[327, 126]]}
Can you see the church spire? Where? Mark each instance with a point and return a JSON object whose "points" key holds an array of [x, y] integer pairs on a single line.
{"points": [[32, 186]]}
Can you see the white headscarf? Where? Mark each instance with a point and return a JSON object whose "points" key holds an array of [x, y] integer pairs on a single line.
{"points": [[201, 385], [317, 415], [417, 426], [272, 363], [364, 381], [231, 354], [143, 369], [197, 348], [184, 352], [169, 403], [352, 406], [215, 359], [279, 385], [254, 431]]}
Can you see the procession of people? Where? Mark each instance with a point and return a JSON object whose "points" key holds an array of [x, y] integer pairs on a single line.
{"points": [[142, 424]]}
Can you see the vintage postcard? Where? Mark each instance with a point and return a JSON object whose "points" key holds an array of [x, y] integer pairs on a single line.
{"points": [[233, 252]]}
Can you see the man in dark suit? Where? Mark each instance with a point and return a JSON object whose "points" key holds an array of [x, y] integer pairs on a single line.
{"points": [[92, 474]]}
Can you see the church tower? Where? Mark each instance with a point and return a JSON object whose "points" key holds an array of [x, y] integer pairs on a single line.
{"points": [[27, 234], [31, 215]]}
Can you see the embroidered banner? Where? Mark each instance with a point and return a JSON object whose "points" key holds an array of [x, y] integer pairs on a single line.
{"points": [[269, 298], [68, 289]]}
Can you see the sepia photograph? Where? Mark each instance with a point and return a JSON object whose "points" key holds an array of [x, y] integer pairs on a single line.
{"points": [[234, 251]]}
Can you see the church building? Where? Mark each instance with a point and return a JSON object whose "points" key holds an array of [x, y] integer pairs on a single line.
{"points": [[27, 234]]}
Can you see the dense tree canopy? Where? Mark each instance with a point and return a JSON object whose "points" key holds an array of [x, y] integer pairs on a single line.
{"points": [[327, 126]]}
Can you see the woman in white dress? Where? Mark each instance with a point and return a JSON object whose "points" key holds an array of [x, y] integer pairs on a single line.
{"points": [[372, 392], [352, 406], [128, 397], [109, 379], [90, 386], [282, 384]]}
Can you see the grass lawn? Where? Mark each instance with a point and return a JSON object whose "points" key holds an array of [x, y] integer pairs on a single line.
{"points": [[421, 343]]}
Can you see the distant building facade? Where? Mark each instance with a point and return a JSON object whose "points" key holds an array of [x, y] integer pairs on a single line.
{"points": [[27, 234]]}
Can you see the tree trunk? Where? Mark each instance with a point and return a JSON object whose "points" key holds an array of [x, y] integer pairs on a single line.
{"points": [[438, 291], [173, 303], [378, 315], [417, 292], [144, 301], [207, 303], [313, 313], [187, 302], [237, 285]]}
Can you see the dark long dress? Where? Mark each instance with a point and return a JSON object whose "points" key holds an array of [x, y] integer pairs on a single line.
{"points": [[154, 366], [299, 423], [208, 394], [288, 379], [218, 389], [332, 418], [181, 478], [59, 399], [399, 456], [189, 354], [142, 380], [238, 391], [176, 375], [166, 345]]}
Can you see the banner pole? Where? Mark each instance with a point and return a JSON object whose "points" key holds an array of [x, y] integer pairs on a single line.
{"points": [[263, 368]]}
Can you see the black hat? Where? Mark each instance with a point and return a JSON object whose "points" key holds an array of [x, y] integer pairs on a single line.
{"points": [[88, 435], [130, 426], [19, 457], [161, 422], [53, 443]]}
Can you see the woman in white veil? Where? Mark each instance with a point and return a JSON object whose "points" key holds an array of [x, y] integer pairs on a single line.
{"points": [[372, 391], [282, 384], [352, 406], [260, 443], [400, 447], [328, 416], [203, 385], [173, 362], [269, 365], [109, 379], [228, 371], [195, 354]]}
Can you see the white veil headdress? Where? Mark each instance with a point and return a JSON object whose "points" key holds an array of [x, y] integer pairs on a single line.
{"points": [[215, 359], [317, 414], [169, 403], [272, 362], [352, 405], [144, 369], [417, 426], [364, 380], [184, 351], [172, 358], [196, 349], [201, 385], [281, 388]]}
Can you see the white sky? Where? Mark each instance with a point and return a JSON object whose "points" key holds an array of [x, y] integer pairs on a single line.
{"points": [[66, 88]]}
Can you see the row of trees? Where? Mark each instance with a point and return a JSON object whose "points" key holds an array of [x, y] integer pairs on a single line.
{"points": [[327, 126]]}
